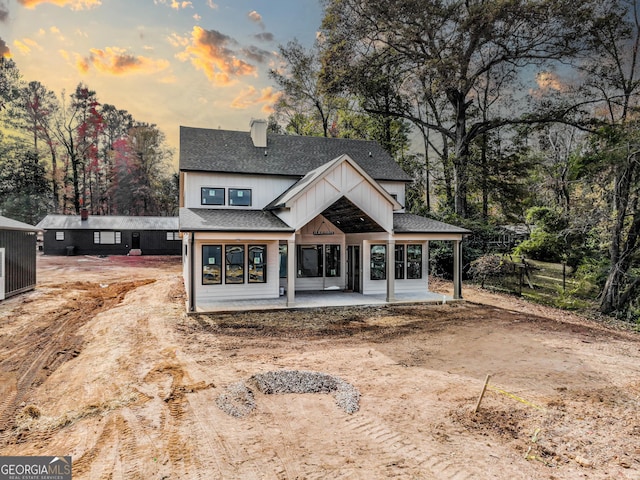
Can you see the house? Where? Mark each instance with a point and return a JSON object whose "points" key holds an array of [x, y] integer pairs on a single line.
{"points": [[17, 257], [509, 236], [86, 234], [265, 214]]}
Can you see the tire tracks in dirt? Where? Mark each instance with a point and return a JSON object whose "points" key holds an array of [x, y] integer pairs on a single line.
{"points": [[49, 344]]}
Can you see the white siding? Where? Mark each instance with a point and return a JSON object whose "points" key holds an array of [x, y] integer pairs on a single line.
{"points": [[401, 285], [244, 291], [397, 189], [264, 188], [344, 180]]}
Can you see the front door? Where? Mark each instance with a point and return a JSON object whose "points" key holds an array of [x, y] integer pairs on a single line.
{"points": [[135, 240], [353, 268]]}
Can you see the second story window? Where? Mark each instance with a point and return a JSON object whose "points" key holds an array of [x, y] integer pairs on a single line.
{"points": [[212, 196], [240, 197]]}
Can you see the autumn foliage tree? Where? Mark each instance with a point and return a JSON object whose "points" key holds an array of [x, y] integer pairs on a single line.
{"points": [[90, 155]]}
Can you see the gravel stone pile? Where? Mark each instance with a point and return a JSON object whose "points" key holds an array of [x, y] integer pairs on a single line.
{"points": [[238, 399]]}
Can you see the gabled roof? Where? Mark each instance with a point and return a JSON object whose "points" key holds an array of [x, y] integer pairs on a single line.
{"points": [[314, 176], [228, 220], [10, 224], [107, 222], [209, 150], [411, 223]]}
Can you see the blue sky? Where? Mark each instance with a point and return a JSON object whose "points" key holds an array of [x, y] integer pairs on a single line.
{"points": [[200, 63]]}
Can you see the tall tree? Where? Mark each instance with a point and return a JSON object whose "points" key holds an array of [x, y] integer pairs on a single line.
{"points": [[613, 76], [77, 130], [139, 176], [34, 112], [9, 81], [449, 45], [299, 82], [24, 189]]}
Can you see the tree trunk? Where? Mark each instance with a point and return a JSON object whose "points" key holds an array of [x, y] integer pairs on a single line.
{"points": [[624, 244], [461, 154]]}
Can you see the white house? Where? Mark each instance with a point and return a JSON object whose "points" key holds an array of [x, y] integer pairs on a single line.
{"points": [[264, 214]]}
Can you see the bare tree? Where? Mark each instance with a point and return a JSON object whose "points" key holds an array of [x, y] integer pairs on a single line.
{"points": [[453, 44]]}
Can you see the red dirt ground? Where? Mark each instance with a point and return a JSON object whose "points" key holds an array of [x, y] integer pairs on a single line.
{"points": [[101, 362]]}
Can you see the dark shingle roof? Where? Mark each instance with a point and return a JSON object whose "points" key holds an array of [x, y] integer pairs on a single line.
{"points": [[208, 150], [107, 222], [228, 220], [410, 223], [10, 224]]}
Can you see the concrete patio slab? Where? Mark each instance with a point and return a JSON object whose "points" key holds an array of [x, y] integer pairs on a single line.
{"points": [[322, 299]]}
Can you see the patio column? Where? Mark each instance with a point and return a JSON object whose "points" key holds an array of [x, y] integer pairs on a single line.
{"points": [[391, 270], [291, 272], [457, 269]]}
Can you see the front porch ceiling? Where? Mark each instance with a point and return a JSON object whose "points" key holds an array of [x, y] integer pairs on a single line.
{"points": [[345, 215]]}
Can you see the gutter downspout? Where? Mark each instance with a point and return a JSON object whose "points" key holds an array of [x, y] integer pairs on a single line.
{"points": [[192, 291]]}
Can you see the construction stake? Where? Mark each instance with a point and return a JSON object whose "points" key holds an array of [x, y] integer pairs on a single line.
{"points": [[484, 389]]}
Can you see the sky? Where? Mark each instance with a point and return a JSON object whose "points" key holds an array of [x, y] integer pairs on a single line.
{"points": [[198, 63]]}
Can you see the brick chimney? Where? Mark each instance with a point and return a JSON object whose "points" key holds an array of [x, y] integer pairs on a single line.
{"points": [[259, 133], [84, 214]]}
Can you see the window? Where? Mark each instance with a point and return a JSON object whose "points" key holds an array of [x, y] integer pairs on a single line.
{"points": [[332, 260], [212, 196], [240, 197], [59, 235], [234, 264], [282, 250], [257, 263], [309, 261], [399, 262], [173, 235], [414, 261], [211, 264], [107, 238], [378, 262]]}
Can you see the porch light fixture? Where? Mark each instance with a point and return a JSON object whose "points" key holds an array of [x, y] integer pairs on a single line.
{"points": [[320, 231]]}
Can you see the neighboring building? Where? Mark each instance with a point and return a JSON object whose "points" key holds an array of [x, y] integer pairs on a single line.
{"points": [[17, 257], [262, 214], [110, 235], [509, 236]]}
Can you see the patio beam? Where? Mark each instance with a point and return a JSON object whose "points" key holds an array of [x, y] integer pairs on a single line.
{"points": [[457, 269], [291, 272], [391, 270]]}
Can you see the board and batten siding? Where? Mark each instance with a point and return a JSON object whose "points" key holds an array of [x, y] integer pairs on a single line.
{"points": [[19, 261], [345, 181], [264, 188]]}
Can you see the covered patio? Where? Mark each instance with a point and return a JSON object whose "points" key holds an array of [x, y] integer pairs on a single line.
{"points": [[322, 299]]}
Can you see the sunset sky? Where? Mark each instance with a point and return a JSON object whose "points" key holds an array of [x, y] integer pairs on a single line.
{"points": [[201, 63]]}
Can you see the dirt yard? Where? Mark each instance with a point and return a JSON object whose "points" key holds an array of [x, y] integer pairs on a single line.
{"points": [[101, 362]]}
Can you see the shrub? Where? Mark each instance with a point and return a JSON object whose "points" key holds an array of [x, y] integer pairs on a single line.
{"points": [[488, 266]]}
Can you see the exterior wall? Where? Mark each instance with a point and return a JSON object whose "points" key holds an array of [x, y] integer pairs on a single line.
{"points": [[405, 285], [397, 189], [152, 242], [245, 291], [20, 261], [342, 181], [264, 188]]}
